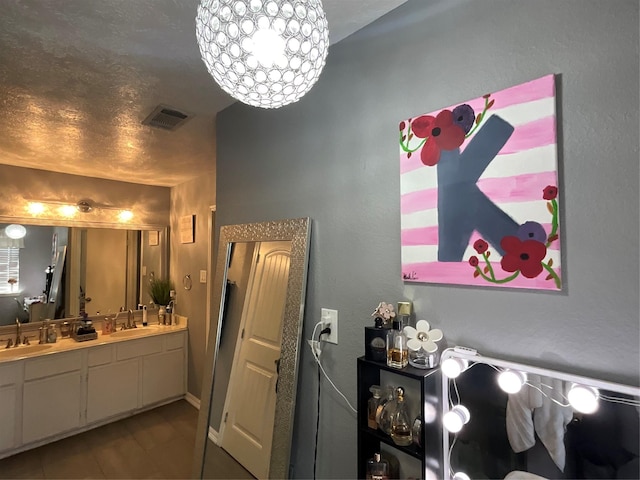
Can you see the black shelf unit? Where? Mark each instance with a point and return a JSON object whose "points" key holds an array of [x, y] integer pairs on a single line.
{"points": [[369, 440]]}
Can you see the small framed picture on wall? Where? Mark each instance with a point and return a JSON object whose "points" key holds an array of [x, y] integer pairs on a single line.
{"points": [[186, 228]]}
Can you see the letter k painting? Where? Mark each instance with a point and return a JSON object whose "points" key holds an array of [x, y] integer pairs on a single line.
{"points": [[479, 194]]}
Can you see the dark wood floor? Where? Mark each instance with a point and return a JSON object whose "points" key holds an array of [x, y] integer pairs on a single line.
{"points": [[153, 444]]}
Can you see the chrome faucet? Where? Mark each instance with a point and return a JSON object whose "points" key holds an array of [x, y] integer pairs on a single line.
{"points": [[131, 319], [18, 332]]}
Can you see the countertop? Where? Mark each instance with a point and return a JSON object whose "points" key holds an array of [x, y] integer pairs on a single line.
{"points": [[69, 344]]}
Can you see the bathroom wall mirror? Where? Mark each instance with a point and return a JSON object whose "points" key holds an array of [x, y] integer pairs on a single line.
{"points": [[253, 350], [65, 269], [540, 431]]}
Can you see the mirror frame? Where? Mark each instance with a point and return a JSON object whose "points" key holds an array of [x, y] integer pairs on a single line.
{"points": [[298, 231], [163, 231]]}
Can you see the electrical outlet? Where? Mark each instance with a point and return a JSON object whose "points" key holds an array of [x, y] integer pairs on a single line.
{"points": [[330, 319], [203, 276]]}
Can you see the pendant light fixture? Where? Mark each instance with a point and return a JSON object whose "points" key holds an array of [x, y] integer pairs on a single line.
{"points": [[265, 53]]}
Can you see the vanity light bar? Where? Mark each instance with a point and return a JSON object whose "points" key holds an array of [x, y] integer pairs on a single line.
{"points": [[67, 210]]}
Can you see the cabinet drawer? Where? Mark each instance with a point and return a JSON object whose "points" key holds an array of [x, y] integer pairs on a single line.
{"points": [[138, 348], [172, 342], [100, 355], [10, 373], [49, 365]]}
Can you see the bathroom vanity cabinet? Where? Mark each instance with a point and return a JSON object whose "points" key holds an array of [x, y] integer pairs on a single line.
{"points": [[47, 397], [423, 389]]}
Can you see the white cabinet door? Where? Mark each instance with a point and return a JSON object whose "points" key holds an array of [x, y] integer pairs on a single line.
{"points": [[112, 389], [7, 417], [50, 406], [162, 376]]}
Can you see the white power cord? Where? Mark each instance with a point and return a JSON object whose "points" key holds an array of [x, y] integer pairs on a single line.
{"points": [[316, 351]]}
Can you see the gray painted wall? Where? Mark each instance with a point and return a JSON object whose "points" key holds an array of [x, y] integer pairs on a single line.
{"points": [[334, 157], [192, 198]]}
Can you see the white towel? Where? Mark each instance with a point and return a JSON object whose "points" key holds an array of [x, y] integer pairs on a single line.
{"points": [[550, 420], [520, 427]]}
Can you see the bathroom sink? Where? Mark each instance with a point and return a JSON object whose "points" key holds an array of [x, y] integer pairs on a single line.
{"points": [[135, 332], [24, 350]]}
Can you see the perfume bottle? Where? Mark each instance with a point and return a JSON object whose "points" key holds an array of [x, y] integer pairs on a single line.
{"points": [[386, 407], [372, 406], [397, 351], [377, 468], [401, 428]]}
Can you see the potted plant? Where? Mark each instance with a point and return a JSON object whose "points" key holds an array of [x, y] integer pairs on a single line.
{"points": [[160, 292]]}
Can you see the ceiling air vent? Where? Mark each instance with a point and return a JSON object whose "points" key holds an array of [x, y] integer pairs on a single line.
{"points": [[167, 118]]}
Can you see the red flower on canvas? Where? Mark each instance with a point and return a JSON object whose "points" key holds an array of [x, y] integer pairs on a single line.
{"points": [[525, 256], [481, 246], [473, 261], [550, 192], [440, 132]]}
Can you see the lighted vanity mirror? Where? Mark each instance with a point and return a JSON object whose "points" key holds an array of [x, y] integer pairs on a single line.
{"points": [[542, 430], [62, 269], [253, 350]]}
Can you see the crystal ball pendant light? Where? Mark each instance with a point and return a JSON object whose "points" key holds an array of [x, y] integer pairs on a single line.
{"points": [[265, 53]]}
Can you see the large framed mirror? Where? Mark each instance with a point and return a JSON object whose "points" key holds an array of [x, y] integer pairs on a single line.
{"points": [[253, 350], [61, 270], [521, 422]]}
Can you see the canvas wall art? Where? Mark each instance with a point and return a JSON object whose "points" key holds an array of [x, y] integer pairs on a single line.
{"points": [[479, 191]]}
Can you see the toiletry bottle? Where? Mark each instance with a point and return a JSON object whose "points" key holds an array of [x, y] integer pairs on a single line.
{"points": [[52, 336], [404, 314], [144, 315], [386, 407], [372, 406], [375, 341], [377, 468], [401, 428], [397, 351]]}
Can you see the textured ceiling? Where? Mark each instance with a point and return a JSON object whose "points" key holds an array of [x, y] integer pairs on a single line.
{"points": [[78, 76]]}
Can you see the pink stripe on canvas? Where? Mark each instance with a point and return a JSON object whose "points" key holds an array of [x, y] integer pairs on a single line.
{"points": [[518, 188], [538, 133], [532, 91], [461, 273]]}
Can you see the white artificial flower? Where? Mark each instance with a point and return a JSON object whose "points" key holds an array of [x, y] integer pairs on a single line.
{"points": [[422, 337]]}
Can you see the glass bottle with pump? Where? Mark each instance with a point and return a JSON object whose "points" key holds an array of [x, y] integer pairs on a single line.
{"points": [[401, 428]]}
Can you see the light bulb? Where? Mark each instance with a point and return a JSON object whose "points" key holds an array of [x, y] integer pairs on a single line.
{"points": [[456, 418], [583, 398], [67, 210], [15, 231], [453, 367], [125, 215], [35, 208], [461, 476], [511, 381]]}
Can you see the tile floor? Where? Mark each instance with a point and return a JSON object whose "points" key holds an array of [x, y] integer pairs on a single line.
{"points": [[154, 444]]}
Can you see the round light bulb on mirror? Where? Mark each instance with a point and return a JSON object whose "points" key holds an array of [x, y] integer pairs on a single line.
{"points": [[511, 381], [15, 231], [460, 476], [453, 367], [456, 418], [583, 398]]}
